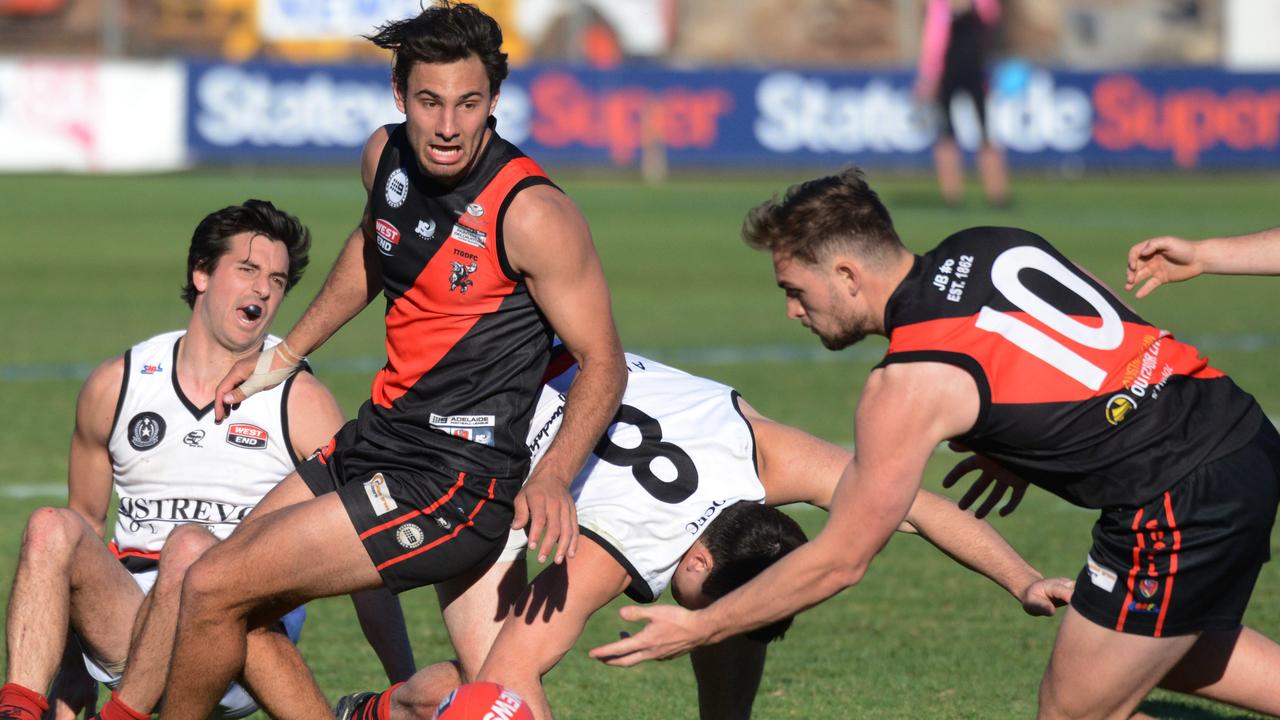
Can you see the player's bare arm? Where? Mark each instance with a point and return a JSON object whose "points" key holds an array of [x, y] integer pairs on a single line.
{"points": [[904, 412], [547, 240], [314, 415], [797, 467], [89, 462], [1169, 259], [977, 546], [351, 285]]}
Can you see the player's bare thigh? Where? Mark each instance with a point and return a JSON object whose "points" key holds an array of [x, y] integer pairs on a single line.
{"points": [[298, 553], [290, 491], [103, 595], [1096, 672], [475, 605]]}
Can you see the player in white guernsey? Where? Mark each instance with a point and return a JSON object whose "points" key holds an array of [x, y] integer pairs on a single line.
{"points": [[673, 495], [144, 427]]}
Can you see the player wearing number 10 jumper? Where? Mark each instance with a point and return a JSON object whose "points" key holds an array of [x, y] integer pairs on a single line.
{"points": [[1000, 343]]}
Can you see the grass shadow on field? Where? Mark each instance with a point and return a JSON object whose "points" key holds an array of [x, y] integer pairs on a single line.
{"points": [[1173, 709]]}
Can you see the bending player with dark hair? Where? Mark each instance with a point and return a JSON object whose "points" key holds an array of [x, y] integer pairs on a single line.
{"points": [[144, 429], [673, 497], [423, 487], [999, 342]]}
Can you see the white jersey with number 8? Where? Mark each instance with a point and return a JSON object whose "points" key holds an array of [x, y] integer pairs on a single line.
{"points": [[677, 452]]}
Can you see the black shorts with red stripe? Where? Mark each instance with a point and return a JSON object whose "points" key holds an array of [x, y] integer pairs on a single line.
{"points": [[420, 524], [1188, 560]]}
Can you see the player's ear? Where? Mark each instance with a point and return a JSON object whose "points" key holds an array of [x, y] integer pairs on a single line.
{"points": [[699, 561], [200, 278], [396, 92], [848, 275]]}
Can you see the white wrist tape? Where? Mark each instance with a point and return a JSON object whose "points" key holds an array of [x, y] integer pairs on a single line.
{"points": [[264, 377]]}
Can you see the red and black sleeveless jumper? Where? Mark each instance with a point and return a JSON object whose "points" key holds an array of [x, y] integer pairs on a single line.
{"points": [[466, 345], [1079, 395]]}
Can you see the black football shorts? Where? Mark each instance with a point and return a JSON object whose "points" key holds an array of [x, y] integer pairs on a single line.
{"points": [[1187, 561], [420, 525]]}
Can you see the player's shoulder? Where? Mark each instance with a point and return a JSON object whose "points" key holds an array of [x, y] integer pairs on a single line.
{"points": [[372, 153], [104, 384], [307, 394], [991, 236]]}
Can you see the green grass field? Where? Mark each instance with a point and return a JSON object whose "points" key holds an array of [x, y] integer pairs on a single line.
{"points": [[95, 264]]}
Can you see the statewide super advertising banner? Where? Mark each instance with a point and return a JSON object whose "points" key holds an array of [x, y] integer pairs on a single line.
{"points": [[1155, 119]]}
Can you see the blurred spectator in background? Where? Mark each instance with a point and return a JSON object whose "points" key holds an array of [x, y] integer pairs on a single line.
{"points": [[953, 58]]}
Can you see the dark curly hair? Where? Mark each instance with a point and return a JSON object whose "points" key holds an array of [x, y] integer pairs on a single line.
{"points": [[745, 539], [444, 33], [212, 239]]}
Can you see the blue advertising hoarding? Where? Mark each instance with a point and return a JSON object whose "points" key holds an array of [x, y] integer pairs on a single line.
{"points": [[757, 119]]}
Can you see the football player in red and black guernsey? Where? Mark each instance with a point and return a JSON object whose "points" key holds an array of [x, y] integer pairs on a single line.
{"points": [[481, 260], [1000, 343]]}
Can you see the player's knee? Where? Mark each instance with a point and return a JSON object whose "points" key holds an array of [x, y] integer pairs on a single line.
{"points": [[185, 545], [1056, 705], [53, 533], [205, 587]]}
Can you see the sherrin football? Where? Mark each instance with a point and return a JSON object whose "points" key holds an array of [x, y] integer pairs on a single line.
{"points": [[482, 701]]}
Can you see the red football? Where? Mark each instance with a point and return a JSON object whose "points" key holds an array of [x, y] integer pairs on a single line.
{"points": [[483, 701]]}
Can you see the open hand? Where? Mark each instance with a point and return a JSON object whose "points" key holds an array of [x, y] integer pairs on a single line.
{"points": [[672, 631], [989, 472], [1160, 260], [546, 506]]}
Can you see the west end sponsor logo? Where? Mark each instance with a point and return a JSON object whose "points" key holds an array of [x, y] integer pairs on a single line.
{"points": [[247, 436], [388, 237]]}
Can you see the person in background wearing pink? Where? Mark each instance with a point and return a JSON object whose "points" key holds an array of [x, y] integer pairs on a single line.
{"points": [[952, 61]]}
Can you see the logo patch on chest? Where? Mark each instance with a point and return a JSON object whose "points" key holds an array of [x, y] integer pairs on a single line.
{"points": [[146, 430], [397, 187], [247, 436], [468, 236], [388, 237], [460, 277]]}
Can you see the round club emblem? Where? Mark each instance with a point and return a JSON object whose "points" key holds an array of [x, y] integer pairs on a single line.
{"points": [[397, 187], [410, 536], [1119, 407], [475, 210], [146, 430]]}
